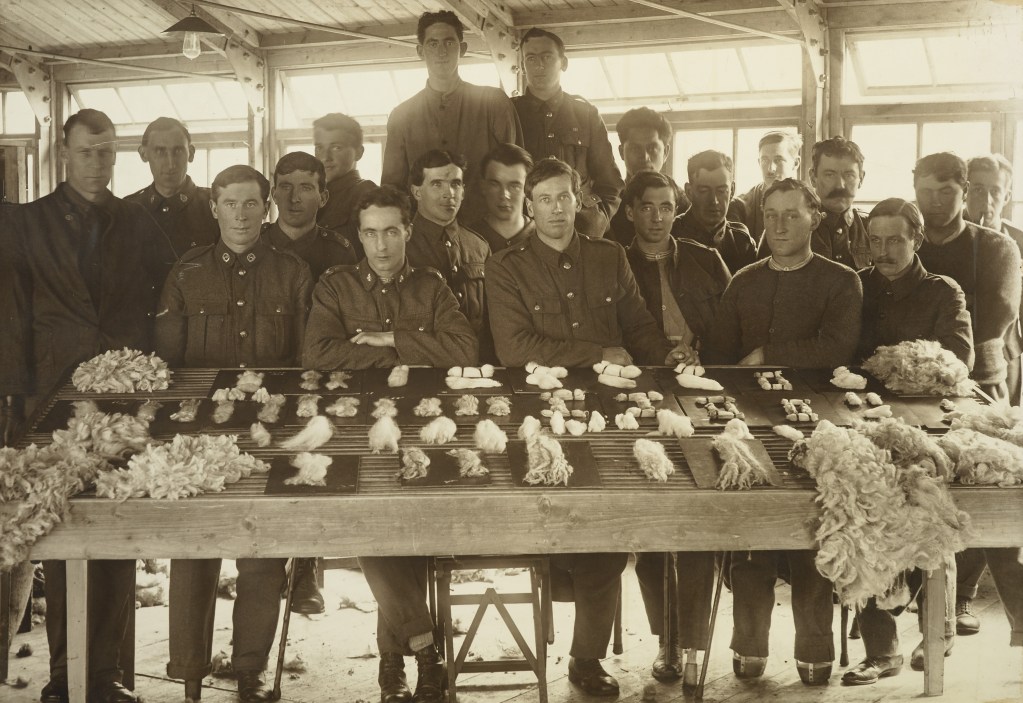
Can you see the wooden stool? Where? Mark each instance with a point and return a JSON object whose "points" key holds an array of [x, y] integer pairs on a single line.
{"points": [[538, 596]]}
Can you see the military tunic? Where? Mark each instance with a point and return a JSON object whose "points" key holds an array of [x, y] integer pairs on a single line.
{"points": [[563, 308], [416, 305], [338, 214], [569, 128], [843, 238], [496, 241], [320, 248], [184, 217], [748, 209], [731, 239]]}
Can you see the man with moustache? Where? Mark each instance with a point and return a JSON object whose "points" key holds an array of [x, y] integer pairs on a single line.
{"points": [[778, 156], [504, 172], [79, 270], [448, 114], [237, 303], [567, 127], [837, 174], [179, 207], [337, 142]]}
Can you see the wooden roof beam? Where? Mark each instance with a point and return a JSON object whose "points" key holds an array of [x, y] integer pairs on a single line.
{"points": [[808, 17], [35, 82], [501, 38], [711, 20]]}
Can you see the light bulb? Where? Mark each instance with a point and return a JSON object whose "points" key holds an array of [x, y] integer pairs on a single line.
{"points": [[190, 48]]}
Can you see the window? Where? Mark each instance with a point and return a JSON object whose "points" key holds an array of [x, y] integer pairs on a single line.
{"points": [[1017, 190], [16, 116], [132, 174]]}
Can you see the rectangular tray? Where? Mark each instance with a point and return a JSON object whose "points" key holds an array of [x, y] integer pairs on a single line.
{"points": [[443, 472], [579, 455], [342, 477]]}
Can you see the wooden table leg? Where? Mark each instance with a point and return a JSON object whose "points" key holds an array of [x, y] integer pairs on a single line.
{"points": [[6, 593], [934, 632], [77, 629]]}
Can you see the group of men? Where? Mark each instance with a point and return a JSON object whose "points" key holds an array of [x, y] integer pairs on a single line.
{"points": [[511, 255]]}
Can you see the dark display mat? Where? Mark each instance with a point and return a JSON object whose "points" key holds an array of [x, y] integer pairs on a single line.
{"points": [[342, 477], [577, 378], [819, 380], [579, 456], [705, 463], [443, 472], [614, 407], [286, 382], [424, 382], [698, 414], [62, 411]]}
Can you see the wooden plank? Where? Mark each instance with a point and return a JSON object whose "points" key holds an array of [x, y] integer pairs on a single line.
{"points": [[77, 628], [934, 632]]}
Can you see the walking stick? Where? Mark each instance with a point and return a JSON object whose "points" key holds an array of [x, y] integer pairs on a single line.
{"points": [[276, 695], [844, 658], [710, 632]]}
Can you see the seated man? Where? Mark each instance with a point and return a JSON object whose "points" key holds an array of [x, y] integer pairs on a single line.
{"points": [[681, 282], [380, 313], [239, 302], [901, 302], [797, 309], [561, 298], [504, 175]]}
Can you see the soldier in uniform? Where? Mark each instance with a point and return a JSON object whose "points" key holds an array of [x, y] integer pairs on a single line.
{"points": [[644, 138], [555, 123], [710, 188], [504, 177], [778, 156], [241, 303], [565, 299], [837, 174], [79, 271], [299, 192], [379, 313], [337, 141], [440, 242], [180, 208]]}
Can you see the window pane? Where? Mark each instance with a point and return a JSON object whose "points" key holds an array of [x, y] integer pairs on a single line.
{"points": [[640, 75], [956, 60], [774, 67], [691, 142], [893, 62], [18, 115], [409, 81], [130, 174], [480, 74], [232, 99], [747, 156], [147, 102], [585, 76], [199, 168], [196, 101], [372, 162], [964, 138], [889, 152], [106, 100], [710, 71], [616, 142], [221, 158], [367, 93]]}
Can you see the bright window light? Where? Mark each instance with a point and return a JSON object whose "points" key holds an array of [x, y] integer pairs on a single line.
{"points": [[964, 138], [106, 100], [773, 66], [640, 75], [893, 62], [18, 117], [889, 152], [690, 142], [710, 71], [585, 76], [146, 102]]}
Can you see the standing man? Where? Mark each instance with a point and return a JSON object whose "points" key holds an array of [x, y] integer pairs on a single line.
{"points": [[504, 172], [179, 207], [448, 114], [778, 156], [564, 299], [239, 302], [796, 309], [837, 174], [567, 127], [710, 187], [644, 142], [440, 242], [337, 142], [81, 270], [681, 282]]}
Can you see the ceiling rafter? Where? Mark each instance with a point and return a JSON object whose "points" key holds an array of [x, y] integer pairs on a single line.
{"points": [[812, 24], [712, 20]]}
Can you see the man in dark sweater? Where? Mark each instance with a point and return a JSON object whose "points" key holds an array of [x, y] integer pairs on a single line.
{"points": [[836, 175], [798, 309], [337, 142], [902, 302]]}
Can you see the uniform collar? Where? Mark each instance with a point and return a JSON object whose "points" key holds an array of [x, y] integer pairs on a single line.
{"points": [[256, 253], [74, 200], [421, 226], [554, 258], [343, 183], [280, 240], [834, 220], [905, 284], [178, 201], [368, 277], [537, 104], [639, 255], [691, 225]]}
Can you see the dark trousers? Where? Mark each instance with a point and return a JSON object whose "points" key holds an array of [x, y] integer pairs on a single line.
{"points": [[694, 593], [400, 587], [193, 603], [753, 578], [596, 580], [970, 564], [878, 627], [111, 604]]}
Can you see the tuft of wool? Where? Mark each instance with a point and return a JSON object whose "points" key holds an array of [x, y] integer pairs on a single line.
{"points": [[187, 410], [223, 412], [271, 409], [489, 437], [653, 459], [920, 366], [546, 461], [673, 424], [467, 405], [222, 395], [740, 469], [260, 395], [557, 422], [438, 431], [384, 407], [260, 435], [249, 381], [499, 406], [344, 406], [597, 422], [702, 383], [312, 470], [311, 380], [469, 463], [384, 435], [338, 379], [147, 411], [788, 432], [842, 377], [529, 427], [877, 518], [316, 433], [427, 407], [626, 421], [876, 412], [982, 459], [576, 428], [398, 376], [307, 406], [414, 464], [111, 435], [738, 428], [907, 445], [1000, 420], [122, 371]]}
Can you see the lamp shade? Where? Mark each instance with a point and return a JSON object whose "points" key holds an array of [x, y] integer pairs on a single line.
{"points": [[192, 23]]}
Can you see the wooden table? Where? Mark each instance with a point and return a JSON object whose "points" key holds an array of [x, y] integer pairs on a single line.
{"points": [[627, 513]]}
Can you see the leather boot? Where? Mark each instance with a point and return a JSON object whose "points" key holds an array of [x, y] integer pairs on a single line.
{"points": [[590, 676], [667, 666], [306, 597], [433, 676], [393, 686], [252, 688]]}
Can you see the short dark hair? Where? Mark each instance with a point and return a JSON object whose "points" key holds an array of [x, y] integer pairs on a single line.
{"points": [[385, 196], [240, 173], [301, 161], [428, 19], [643, 180], [342, 122], [93, 120], [643, 118], [777, 136], [507, 155], [537, 33], [945, 166], [992, 163], [897, 207], [165, 124], [548, 168], [787, 185], [837, 147], [434, 158], [709, 160]]}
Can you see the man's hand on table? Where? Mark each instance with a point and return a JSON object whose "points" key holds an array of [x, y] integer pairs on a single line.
{"points": [[754, 358], [616, 355], [374, 339], [682, 354]]}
